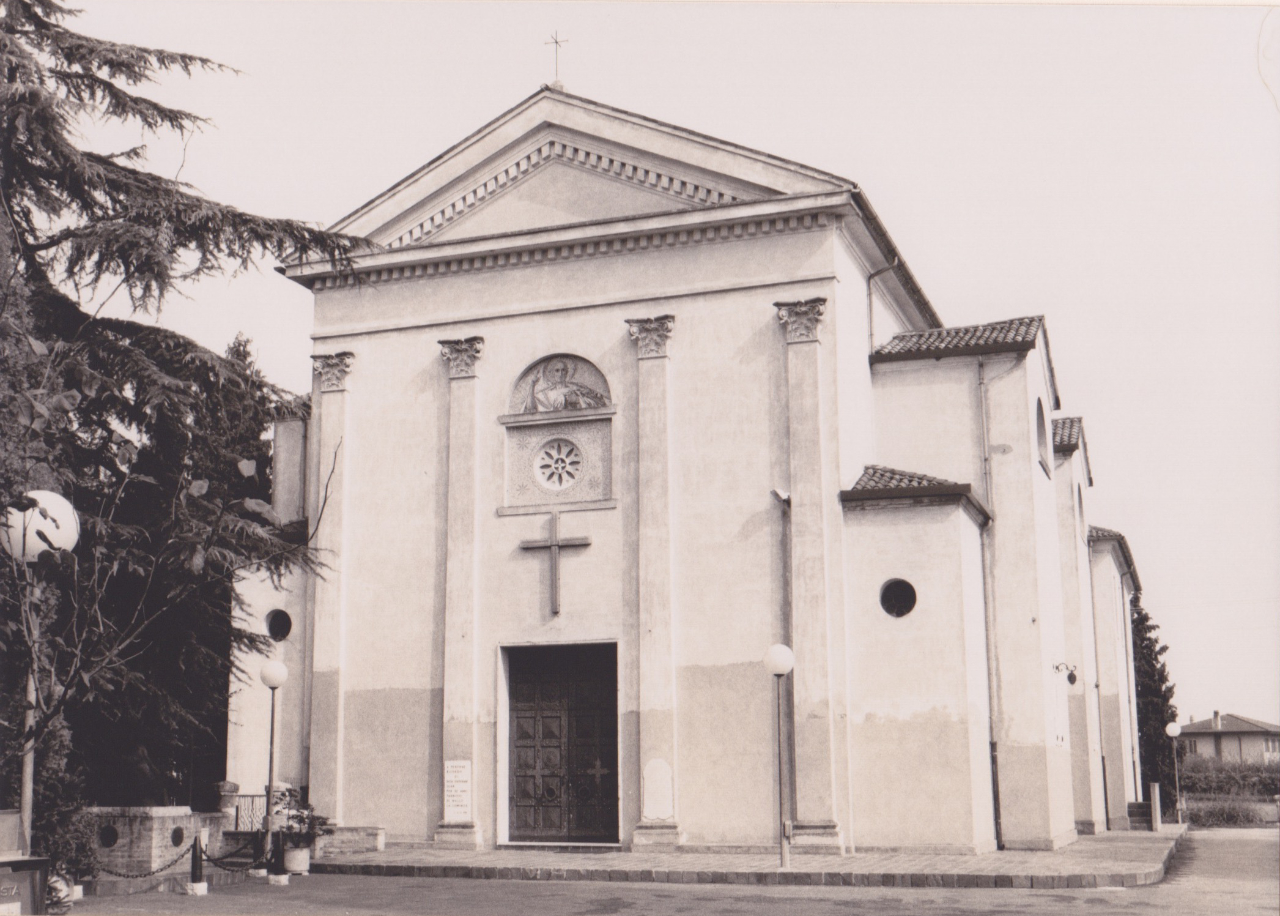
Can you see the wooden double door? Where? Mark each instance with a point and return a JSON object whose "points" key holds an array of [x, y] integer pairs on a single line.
{"points": [[563, 754]]}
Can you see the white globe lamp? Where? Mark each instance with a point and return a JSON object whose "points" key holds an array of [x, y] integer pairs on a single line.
{"points": [[274, 674], [52, 524], [1173, 729], [779, 660]]}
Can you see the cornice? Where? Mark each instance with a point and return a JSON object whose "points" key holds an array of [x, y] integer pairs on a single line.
{"points": [[929, 494], [467, 317], [672, 182], [592, 240]]}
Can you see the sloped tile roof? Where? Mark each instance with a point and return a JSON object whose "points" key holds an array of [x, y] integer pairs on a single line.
{"points": [[1066, 434], [877, 477], [1068, 437], [1107, 534], [1230, 723], [879, 482], [998, 336]]}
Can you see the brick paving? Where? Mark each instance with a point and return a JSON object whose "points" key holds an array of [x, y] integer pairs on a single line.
{"points": [[1117, 859]]}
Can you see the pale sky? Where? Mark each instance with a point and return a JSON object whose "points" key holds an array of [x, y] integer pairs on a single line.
{"points": [[1116, 169]]}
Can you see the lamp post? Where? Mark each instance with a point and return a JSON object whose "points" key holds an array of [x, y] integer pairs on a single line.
{"points": [[273, 674], [1173, 730], [779, 661], [50, 524]]}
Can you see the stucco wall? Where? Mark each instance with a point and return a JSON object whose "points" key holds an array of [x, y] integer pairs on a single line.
{"points": [[1111, 611], [1080, 644], [728, 446], [930, 418], [921, 774], [249, 714]]}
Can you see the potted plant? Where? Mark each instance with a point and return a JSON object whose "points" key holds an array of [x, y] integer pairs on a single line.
{"points": [[299, 827]]}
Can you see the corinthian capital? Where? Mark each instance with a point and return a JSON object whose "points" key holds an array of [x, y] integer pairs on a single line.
{"points": [[332, 369], [461, 355], [801, 318], [650, 335]]}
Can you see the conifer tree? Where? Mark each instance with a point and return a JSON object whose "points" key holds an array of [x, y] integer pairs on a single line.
{"points": [[156, 440], [1155, 703]]}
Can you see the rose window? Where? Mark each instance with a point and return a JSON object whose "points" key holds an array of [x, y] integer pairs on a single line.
{"points": [[558, 464]]}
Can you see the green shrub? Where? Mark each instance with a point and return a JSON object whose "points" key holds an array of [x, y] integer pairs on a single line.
{"points": [[1225, 813], [1209, 776], [61, 828]]}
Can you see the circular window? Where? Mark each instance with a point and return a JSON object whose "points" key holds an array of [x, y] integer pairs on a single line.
{"points": [[279, 625], [177, 836], [558, 464], [108, 836], [897, 597]]}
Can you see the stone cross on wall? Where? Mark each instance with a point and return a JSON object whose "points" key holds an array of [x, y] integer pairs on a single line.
{"points": [[552, 545]]}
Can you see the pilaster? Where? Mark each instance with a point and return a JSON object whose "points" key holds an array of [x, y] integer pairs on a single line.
{"points": [[458, 829], [658, 788], [327, 707], [816, 824]]}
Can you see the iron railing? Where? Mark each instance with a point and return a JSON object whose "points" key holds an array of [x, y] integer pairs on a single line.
{"points": [[250, 810]]}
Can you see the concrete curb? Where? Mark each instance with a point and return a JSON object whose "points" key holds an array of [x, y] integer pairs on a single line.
{"points": [[781, 878], [796, 877]]}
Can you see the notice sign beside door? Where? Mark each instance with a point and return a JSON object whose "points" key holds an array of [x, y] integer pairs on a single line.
{"points": [[457, 791]]}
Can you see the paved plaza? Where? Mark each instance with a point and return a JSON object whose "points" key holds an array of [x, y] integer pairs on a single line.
{"points": [[1214, 871]]}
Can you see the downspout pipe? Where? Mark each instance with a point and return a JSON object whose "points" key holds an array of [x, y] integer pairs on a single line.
{"points": [[988, 591], [871, 333], [988, 582]]}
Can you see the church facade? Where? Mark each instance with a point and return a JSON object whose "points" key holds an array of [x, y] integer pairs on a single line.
{"points": [[609, 408]]}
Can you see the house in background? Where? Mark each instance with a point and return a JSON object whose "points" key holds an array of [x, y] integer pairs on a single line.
{"points": [[1232, 737]]}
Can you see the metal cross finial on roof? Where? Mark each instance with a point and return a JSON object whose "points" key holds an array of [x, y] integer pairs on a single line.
{"points": [[557, 41]]}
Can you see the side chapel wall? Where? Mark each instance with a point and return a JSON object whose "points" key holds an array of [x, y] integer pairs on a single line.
{"points": [[1070, 480], [930, 420]]}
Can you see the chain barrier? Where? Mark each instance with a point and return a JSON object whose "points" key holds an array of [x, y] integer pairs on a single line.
{"points": [[240, 869], [217, 861], [235, 852], [236, 869], [145, 874]]}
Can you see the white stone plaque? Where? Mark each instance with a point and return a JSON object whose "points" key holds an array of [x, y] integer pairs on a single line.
{"points": [[457, 791]]}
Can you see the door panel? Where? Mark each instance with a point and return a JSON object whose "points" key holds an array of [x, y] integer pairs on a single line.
{"points": [[564, 744]]}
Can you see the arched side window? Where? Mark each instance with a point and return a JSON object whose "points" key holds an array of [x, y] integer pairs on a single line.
{"points": [[559, 434], [1042, 439], [1081, 526]]}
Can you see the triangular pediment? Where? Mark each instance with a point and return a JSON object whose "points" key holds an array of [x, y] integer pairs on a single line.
{"points": [[557, 160], [557, 189]]}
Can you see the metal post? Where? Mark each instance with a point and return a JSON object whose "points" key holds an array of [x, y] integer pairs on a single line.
{"points": [[197, 861], [271, 782], [1177, 789], [784, 844], [25, 802]]}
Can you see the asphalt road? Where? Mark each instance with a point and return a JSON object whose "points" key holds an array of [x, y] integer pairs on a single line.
{"points": [[1234, 872]]}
